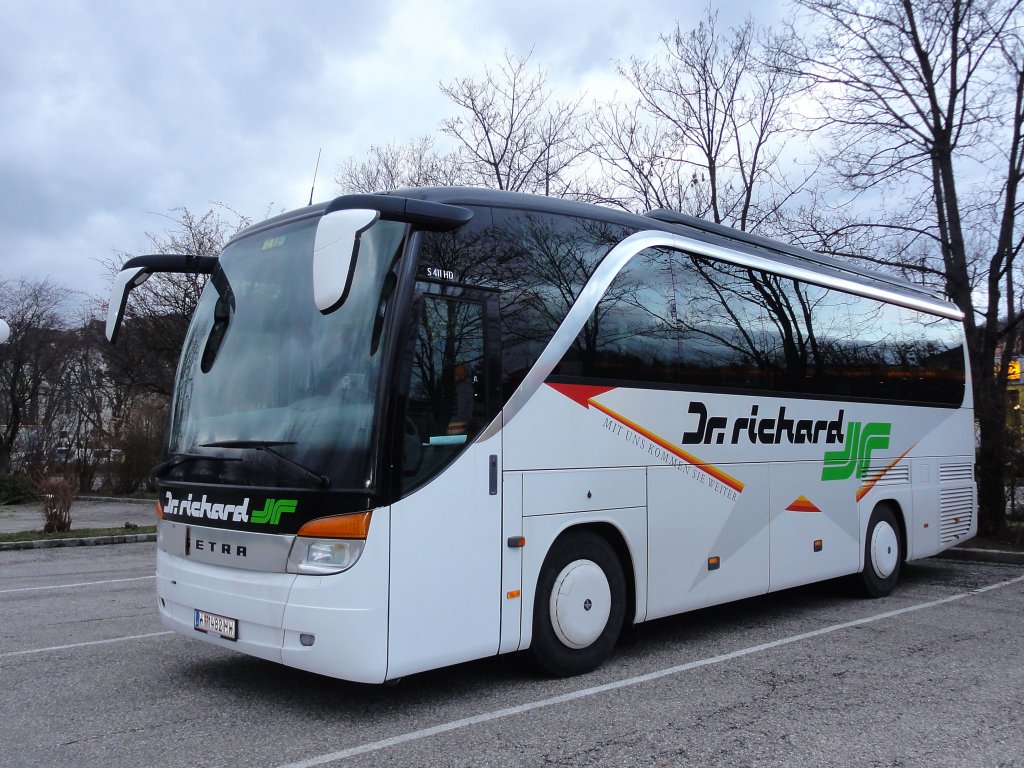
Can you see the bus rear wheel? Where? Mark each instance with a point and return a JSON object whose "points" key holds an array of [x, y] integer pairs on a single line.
{"points": [[580, 605], [883, 553]]}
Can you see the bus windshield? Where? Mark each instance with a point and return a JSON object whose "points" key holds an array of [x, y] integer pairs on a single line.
{"points": [[267, 379]]}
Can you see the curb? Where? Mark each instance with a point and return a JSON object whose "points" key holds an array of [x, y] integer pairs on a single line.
{"points": [[114, 499], [128, 538], [982, 556]]}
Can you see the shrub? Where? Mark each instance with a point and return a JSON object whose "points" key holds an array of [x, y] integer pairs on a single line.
{"points": [[57, 493], [16, 489]]}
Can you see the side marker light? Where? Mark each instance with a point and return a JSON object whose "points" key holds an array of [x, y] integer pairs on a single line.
{"points": [[818, 544], [513, 594], [517, 542], [714, 563]]}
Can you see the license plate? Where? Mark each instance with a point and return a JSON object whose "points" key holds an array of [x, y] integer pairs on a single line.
{"points": [[216, 625]]}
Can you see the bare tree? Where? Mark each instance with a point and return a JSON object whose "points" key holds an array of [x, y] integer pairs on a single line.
{"points": [[720, 113], [159, 311], [393, 166], [512, 134], [77, 414], [924, 103], [33, 359], [641, 169]]}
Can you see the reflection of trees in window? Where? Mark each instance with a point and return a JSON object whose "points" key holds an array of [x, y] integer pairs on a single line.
{"points": [[629, 330], [449, 349], [674, 318], [685, 320], [444, 410], [539, 263], [547, 262], [750, 327]]}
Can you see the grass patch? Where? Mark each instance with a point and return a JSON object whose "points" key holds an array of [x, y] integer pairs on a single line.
{"points": [[81, 533]]}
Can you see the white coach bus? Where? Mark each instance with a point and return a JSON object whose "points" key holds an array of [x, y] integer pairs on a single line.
{"points": [[418, 428]]}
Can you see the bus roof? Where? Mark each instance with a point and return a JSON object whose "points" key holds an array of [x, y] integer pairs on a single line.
{"points": [[658, 219]]}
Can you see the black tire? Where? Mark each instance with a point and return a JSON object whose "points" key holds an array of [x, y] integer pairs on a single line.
{"points": [[573, 558], [883, 554]]}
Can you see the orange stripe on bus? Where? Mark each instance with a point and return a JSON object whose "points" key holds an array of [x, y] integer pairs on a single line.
{"points": [[866, 488], [709, 469]]}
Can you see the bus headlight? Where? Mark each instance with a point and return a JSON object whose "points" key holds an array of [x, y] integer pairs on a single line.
{"points": [[324, 556], [329, 544]]}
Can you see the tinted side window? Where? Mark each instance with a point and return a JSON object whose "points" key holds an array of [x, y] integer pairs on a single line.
{"points": [[539, 262], [670, 318], [634, 333], [867, 349]]}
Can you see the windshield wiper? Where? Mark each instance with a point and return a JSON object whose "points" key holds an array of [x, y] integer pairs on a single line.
{"points": [[267, 446], [164, 467]]}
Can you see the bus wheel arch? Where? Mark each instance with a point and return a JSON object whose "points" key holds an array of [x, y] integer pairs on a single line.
{"points": [[901, 522], [902, 531], [615, 538], [580, 604], [885, 550]]}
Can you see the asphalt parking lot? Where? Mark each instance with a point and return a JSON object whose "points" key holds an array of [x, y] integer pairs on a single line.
{"points": [[931, 676]]}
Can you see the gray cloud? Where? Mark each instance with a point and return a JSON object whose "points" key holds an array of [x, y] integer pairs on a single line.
{"points": [[115, 113]]}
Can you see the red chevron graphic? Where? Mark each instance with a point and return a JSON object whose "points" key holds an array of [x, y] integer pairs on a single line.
{"points": [[584, 395]]}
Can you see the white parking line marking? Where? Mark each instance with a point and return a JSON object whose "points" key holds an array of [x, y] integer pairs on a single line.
{"points": [[453, 725], [78, 584], [83, 645]]}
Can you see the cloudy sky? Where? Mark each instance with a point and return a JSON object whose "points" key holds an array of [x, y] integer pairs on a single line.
{"points": [[115, 113]]}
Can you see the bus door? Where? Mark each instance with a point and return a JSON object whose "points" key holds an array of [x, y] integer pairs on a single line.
{"points": [[446, 529]]}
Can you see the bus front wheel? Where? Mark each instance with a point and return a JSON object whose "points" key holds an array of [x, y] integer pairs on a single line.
{"points": [[883, 553], [580, 605]]}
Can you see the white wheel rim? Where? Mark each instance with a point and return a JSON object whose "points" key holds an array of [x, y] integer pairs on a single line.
{"points": [[581, 602], [885, 550]]}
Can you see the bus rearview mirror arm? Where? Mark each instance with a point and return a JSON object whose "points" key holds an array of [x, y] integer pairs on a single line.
{"points": [[137, 270]]}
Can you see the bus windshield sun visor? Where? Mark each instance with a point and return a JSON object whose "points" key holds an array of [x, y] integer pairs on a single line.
{"points": [[137, 270]]}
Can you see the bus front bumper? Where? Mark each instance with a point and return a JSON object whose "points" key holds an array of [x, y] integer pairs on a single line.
{"points": [[333, 625]]}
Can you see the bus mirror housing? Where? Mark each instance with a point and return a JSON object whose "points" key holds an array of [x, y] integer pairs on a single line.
{"points": [[137, 270], [125, 280], [335, 251], [345, 218], [5, 331]]}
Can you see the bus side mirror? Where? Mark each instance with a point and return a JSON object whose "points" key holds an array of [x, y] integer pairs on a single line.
{"points": [[137, 270], [335, 250], [5, 331]]}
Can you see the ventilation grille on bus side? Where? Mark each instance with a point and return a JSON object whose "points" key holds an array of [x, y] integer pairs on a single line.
{"points": [[897, 475], [956, 511], [950, 473]]}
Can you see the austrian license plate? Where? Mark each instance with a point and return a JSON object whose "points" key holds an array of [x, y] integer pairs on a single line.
{"points": [[216, 625]]}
